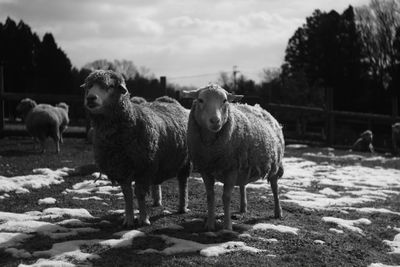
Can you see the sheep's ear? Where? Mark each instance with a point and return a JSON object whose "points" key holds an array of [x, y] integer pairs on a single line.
{"points": [[123, 89], [193, 94], [233, 98]]}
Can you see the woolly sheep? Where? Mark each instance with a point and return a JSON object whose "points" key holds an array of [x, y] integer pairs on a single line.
{"points": [[364, 143], [145, 142], [44, 121], [233, 143], [396, 138]]}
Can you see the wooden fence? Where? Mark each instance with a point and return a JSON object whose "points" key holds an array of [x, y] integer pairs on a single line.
{"points": [[324, 131]]}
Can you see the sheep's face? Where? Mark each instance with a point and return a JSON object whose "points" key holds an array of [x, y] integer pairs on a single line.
{"points": [[96, 97], [25, 106], [367, 136], [212, 109]]}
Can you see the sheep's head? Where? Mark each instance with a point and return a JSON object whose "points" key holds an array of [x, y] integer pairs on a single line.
{"points": [[25, 106], [367, 136], [396, 128], [63, 106], [101, 88], [211, 106]]}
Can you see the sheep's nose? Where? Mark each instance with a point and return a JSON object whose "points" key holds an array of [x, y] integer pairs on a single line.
{"points": [[91, 98], [215, 120]]}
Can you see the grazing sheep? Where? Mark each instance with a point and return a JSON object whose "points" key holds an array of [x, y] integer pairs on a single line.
{"points": [[44, 121], [145, 142], [235, 144], [396, 138], [364, 143]]}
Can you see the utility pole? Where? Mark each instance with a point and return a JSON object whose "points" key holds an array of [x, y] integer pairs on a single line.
{"points": [[235, 71]]}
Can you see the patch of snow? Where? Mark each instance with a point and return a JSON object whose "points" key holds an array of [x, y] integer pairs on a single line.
{"points": [[371, 210], [47, 201], [40, 178], [12, 239], [75, 213], [73, 222], [394, 245], [278, 228], [47, 263], [297, 146], [320, 242], [207, 250], [88, 198], [337, 231], [329, 192], [348, 224], [381, 265]]}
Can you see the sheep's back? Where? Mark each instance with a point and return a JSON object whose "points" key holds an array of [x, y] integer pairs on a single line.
{"points": [[41, 120], [251, 142]]}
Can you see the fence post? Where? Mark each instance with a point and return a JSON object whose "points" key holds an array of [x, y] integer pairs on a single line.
{"points": [[330, 123], [1, 100], [395, 107], [163, 83]]}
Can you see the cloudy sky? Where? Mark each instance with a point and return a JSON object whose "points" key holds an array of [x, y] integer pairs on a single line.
{"points": [[189, 41]]}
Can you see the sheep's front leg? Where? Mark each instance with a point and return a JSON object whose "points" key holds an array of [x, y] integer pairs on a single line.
{"points": [[157, 195], [128, 197], [226, 199], [140, 192], [243, 199], [209, 184], [274, 187], [183, 175]]}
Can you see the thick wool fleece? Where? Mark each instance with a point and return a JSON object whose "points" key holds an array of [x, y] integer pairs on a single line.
{"points": [[250, 142], [143, 142], [46, 120]]}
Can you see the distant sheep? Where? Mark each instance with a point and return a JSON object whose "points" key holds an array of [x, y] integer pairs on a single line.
{"points": [[396, 138], [138, 141], [364, 143], [44, 121], [235, 144]]}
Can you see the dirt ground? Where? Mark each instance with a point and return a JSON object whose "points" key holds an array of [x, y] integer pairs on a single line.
{"points": [[17, 157]]}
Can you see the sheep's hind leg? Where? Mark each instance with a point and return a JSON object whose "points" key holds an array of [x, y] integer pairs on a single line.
{"points": [[226, 199], [140, 192], [209, 184], [243, 199], [183, 188], [274, 187], [157, 195], [128, 197]]}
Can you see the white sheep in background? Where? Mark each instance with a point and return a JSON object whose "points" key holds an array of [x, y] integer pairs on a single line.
{"points": [[138, 141], [233, 143], [43, 121]]}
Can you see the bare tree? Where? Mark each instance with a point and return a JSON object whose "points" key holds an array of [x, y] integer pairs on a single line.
{"points": [[377, 24]]}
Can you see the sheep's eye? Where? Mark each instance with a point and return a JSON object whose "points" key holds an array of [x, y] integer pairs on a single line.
{"points": [[225, 100], [200, 100]]}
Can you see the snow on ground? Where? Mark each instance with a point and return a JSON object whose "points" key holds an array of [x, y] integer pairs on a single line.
{"points": [[348, 224], [47, 201], [311, 185], [40, 178]]}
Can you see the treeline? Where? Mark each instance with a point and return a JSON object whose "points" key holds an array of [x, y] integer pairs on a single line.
{"points": [[356, 53], [34, 65]]}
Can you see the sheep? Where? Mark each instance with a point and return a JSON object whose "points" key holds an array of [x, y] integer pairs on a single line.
{"points": [[364, 143], [396, 138], [233, 143], [44, 120], [144, 143]]}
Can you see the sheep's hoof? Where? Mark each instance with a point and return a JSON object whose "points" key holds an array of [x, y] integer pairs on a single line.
{"points": [[157, 204], [144, 221], [128, 223], [183, 210], [210, 226], [243, 210], [278, 214]]}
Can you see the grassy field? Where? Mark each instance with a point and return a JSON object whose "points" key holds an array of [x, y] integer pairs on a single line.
{"points": [[340, 209]]}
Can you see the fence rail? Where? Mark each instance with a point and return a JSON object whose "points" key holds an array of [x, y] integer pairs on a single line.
{"points": [[328, 117]]}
